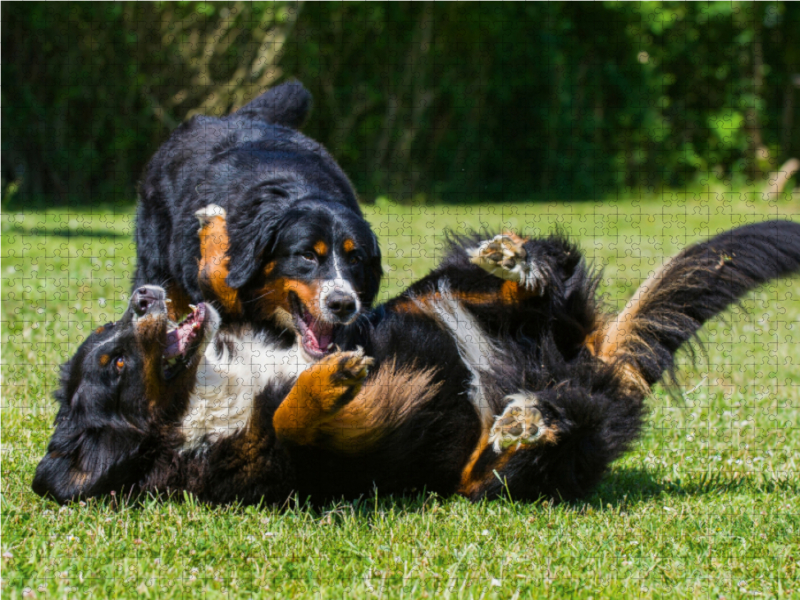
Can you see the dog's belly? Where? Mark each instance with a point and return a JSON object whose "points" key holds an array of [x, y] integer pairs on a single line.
{"points": [[228, 381]]}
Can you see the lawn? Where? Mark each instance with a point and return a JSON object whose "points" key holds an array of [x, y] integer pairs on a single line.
{"points": [[705, 506]]}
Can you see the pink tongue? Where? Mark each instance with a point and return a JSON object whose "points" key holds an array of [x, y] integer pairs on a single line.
{"points": [[177, 341], [325, 339], [319, 337]]}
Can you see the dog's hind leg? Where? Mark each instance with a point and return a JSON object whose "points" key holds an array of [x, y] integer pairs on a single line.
{"points": [[521, 425]]}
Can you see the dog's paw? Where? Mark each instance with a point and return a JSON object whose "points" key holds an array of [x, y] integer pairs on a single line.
{"points": [[351, 368], [504, 256], [340, 377], [521, 424]]}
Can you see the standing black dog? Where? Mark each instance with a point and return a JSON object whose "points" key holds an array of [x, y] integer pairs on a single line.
{"points": [[301, 258]]}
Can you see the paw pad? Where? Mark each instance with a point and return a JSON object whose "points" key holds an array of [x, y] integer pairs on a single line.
{"points": [[351, 367], [503, 256], [520, 424]]}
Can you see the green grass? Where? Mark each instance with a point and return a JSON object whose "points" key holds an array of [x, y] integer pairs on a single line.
{"points": [[705, 506]]}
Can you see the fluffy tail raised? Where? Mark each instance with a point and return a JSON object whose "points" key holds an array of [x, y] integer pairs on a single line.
{"points": [[697, 284], [286, 104]]}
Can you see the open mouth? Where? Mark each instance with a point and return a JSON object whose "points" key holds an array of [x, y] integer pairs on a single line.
{"points": [[183, 340], [316, 336]]}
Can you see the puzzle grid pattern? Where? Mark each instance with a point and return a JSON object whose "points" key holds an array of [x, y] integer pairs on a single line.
{"points": [[64, 272]]}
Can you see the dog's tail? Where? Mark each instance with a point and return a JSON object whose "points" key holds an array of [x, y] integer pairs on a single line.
{"points": [[699, 283], [286, 104]]}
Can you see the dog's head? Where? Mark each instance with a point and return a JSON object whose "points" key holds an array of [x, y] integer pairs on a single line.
{"points": [[126, 382], [313, 270]]}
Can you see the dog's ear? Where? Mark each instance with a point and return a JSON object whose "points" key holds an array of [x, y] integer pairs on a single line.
{"points": [[374, 273], [249, 238], [90, 462], [286, 104]]}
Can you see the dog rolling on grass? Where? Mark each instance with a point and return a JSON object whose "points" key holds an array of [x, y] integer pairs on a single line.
{"points": [[498, 371]]}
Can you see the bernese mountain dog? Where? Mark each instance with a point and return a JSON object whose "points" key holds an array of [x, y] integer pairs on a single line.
{"points": [[301, 257], [498, 372]]}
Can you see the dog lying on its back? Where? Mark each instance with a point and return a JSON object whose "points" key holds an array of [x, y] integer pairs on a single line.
{"points": [[302, 261], [498, 371]]}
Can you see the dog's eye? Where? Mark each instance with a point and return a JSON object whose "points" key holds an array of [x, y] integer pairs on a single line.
{"points": [[354, 259], [119, 363], [309, 256]]}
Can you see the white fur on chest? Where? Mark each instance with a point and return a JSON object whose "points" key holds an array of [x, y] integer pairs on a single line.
{"points": [[227, 385], [475, 348]]}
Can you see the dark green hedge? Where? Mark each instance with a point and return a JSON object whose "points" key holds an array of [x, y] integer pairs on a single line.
{"points": [[462, 101]]}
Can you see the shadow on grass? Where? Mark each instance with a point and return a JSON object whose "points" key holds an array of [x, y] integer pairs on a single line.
{"points": [[68, 233], [631, 486], [623, 487]]}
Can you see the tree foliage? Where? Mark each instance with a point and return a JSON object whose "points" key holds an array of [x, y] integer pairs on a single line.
{"points": [[461, 101]]}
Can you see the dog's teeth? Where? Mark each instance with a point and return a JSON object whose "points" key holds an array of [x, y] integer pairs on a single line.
{"points": [[193, 307], [329, 346]]}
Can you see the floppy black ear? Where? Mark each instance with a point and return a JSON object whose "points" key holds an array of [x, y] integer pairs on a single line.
{"points": [[286, 104], [91, 462], [374, 273], [248, 238]]}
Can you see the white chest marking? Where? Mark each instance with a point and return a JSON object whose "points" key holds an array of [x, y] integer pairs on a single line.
{"points": [[227, 386], [474, 347]]}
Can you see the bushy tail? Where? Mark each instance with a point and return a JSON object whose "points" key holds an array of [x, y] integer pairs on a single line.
{"points": [[699, 283], [286, 104]]}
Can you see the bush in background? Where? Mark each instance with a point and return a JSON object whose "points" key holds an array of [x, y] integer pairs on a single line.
{"points": [[454, 101]]}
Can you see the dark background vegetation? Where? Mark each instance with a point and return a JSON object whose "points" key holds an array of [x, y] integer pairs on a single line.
{"points": [[460, 102]]}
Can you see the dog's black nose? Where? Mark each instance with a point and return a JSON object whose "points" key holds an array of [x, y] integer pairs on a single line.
{"points": [[145, 297], [341, 304]]}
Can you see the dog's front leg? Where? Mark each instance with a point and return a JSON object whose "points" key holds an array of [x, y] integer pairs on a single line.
{"points": [[320, 392]]}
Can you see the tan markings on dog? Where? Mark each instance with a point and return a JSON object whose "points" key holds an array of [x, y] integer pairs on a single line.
{"points": [[269, 268], [248, 448], [515, 238], [608, 341], [213, 265], [509, 293], [275, 295], [521, 425], [150, 331], [468, 473], [78, 477], [348, 245], [408, 307], [100, 329], [320, 390], [321, 248], [104, 360], [386, 400], [473, 481], [177, 302]]}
